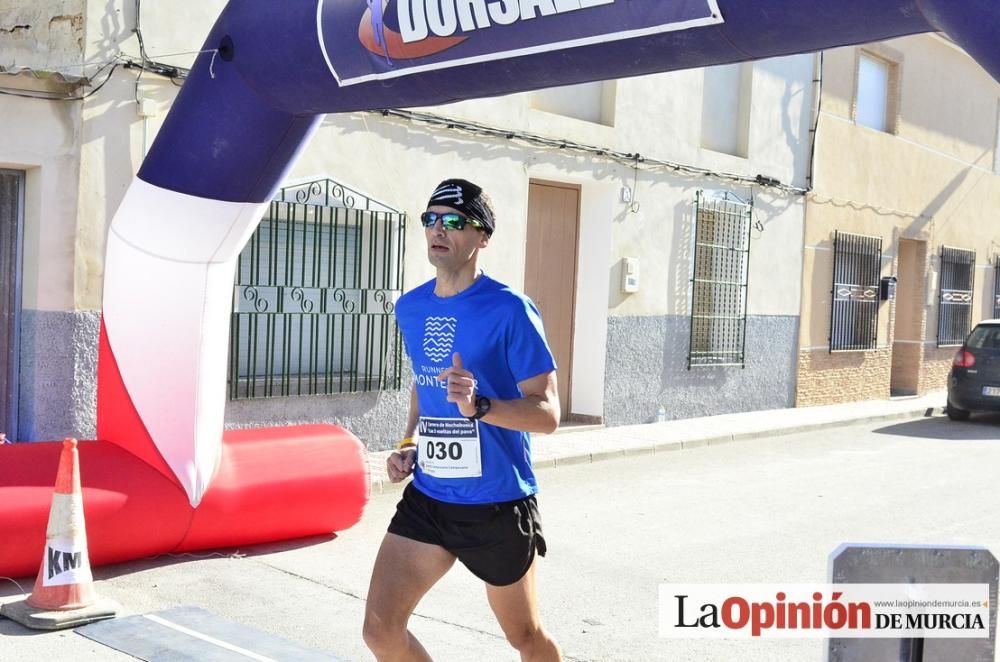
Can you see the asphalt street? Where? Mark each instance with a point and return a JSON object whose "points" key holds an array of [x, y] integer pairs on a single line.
{"points": [[767, 510]]}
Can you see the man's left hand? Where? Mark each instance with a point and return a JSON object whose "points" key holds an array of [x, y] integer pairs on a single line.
{"points": [[461, 386]]}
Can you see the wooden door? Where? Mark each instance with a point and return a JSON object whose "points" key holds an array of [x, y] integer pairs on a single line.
{"points": [[908, 326], [550, 270]]}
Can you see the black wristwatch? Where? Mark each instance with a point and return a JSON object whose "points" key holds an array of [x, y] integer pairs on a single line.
{"points": [[482, 407]]}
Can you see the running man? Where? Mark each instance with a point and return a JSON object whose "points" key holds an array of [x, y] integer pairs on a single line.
{"points": [[485, 379]]}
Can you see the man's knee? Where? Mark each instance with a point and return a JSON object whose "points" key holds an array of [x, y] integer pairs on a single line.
{"points": [[382, 638], [527, 638]]}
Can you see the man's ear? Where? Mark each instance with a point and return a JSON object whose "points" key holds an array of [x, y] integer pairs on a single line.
{"points": [[484, 239]]}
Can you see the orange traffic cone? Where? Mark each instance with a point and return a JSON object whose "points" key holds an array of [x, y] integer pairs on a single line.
{"points": [[64, 593]]}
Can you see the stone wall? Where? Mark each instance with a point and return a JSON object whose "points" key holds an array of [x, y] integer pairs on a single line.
{"points": [[826, 378], [647, 368]]}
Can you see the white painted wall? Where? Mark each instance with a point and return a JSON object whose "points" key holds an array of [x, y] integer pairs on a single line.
{"points": [[661, 117], [40, 138], [168, 28], [111, 151], [590, 340]]}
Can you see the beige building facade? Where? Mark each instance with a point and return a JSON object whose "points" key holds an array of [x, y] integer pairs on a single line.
{"points": [[906, 187]]}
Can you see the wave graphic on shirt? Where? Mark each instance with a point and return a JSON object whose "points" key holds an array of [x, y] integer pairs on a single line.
{"points": [[439, 337]]}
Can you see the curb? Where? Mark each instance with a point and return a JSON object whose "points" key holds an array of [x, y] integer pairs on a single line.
{"points": [[381, 485]]}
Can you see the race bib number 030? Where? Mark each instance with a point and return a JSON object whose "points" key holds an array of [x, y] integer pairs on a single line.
{"points": [[449, 448]]}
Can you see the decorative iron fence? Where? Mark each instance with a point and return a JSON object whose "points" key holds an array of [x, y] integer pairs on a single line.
{"points": [[315, 292], [996, 289], [857, 265], [958, 268], [719, 281]]}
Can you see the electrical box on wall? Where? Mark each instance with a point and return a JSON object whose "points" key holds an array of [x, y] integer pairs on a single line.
{"points": [[887, 290], [144, 107], [630, 274]]}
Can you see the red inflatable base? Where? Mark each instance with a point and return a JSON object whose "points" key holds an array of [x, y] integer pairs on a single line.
{"points": [[273, 484]]}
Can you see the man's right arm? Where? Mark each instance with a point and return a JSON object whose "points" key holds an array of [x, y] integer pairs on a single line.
{"points": [[400, 463]]}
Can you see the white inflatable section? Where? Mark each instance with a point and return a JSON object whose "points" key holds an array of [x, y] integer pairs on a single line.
{"points": [[168, 296]]}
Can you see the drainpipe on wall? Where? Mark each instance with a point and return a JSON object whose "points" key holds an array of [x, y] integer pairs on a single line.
{"points": [[144, 109], [817, 109]]}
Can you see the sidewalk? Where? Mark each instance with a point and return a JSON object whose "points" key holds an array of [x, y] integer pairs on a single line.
{"points": [[580, 444]]}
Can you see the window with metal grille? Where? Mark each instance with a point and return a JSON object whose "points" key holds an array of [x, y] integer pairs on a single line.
{"points": [[958, 268], [316, 287], [996, 289], [857, 264], [719, 281]]}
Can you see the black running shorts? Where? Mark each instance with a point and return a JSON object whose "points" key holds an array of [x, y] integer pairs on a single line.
{"points": [[496, 541]]}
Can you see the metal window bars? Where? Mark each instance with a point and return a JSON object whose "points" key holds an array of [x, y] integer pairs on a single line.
{"points": [[857, 264], [314, 297], [996, 288], [719, 275], [957, 280]]}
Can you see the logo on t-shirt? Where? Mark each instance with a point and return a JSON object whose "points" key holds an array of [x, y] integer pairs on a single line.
{"points": [[439, 337]]}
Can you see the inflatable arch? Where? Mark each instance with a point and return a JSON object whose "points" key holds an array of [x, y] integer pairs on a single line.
{"points": [[240, 119]]}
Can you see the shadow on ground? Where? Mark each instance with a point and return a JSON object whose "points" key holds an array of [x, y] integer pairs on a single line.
{"points": [[11, 588], [12, 629], [8, 587], [162, 560], [980, 427]]}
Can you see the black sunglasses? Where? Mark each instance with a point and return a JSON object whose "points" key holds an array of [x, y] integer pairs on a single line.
{"points": [[449, 220]]}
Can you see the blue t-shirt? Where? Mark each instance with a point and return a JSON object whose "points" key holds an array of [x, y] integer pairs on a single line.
{"points": [[498, 333]]}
